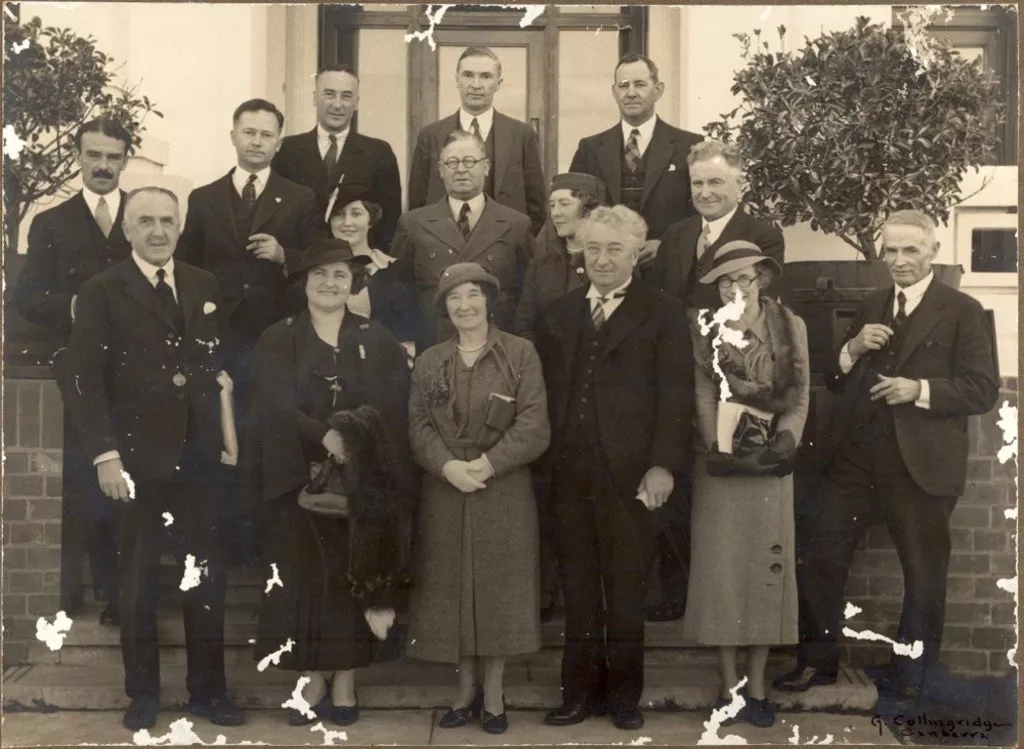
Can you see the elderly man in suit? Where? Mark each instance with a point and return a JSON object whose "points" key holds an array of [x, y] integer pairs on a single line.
{"points": [[916, 362], [68, 244], [687, 250], [642, 159], [333, 154], [618, 365], [144, 362], [464, 226], [516, 178]]}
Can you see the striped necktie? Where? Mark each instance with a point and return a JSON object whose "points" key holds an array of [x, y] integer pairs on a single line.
{"points": [[331, 159], [597, 312], [633, 150]]}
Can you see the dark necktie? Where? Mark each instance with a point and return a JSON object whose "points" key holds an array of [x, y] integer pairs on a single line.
{"points": [[463, 221], [475, 127], [633, 150], [331, 159], [166, 294], [249, 195], [597, 313], [901, 311]]}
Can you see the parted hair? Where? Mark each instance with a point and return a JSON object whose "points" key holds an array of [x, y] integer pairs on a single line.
{"points": [[618, 217], [709, 149], [105, 126], [149, 189], [258, 105], [479, 52]]}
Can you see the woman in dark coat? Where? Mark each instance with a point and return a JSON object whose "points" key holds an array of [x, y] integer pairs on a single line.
{"points": [[477, 418], [385, 298], [742, 587], [317, 374], [557, 266]]}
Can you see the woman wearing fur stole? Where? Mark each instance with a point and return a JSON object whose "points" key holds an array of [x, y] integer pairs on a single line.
{"points": [[742, 589], [330, 382]]}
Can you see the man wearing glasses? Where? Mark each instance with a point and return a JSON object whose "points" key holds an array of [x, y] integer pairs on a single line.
{"points": [[464, 226]]}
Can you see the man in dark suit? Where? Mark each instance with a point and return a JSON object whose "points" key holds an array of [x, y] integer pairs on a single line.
{"points": [[464, 226], [687, 250], [332, 153], [67, 245], [917, 360], [143, 394], [641, 159], [516, 178], [618, 365]]}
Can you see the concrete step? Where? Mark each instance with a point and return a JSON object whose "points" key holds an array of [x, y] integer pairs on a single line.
{"points": [[404, 684]]}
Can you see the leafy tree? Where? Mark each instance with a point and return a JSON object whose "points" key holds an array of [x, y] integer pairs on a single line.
{"points": [[54, 80], [857, 124]]}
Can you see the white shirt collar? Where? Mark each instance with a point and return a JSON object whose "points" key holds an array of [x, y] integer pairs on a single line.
{"points": [[716, 226], [485, 120], [593, 293], [149, 270], [323, 139], [917, 290], [646, 132], [113, 198], [239, 177], [476, 206]]}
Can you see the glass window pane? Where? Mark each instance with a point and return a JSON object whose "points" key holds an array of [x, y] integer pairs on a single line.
{"points": [[510, 98], [383, 90], [971, 53], [994, 251], [586, 62]]}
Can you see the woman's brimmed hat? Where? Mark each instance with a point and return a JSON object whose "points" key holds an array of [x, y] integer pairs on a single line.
{"points": [[580, 182], [350, 193], [327, 250], [460, 273], [737, 255]]}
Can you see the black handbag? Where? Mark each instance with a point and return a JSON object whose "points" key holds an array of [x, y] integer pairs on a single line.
{"points": [[755, 451], [325, 494]]}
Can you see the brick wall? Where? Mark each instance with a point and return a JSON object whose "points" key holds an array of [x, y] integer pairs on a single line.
{"points": [[32, 432], [980, 625]]}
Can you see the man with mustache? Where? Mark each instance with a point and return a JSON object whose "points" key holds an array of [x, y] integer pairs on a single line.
{"points": [[67, 244]]}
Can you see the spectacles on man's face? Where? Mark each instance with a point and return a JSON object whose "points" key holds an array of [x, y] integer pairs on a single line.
{"points": [[743, 282], [467, 162]]}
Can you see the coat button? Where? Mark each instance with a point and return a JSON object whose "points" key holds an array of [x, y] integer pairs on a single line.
{"points": [[433, 255], [179, 379], [72, 271], [776, 567], [245, 286], [776, 549], [490, 257]]}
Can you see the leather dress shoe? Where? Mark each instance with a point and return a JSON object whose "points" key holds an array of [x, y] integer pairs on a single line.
{"points": [[759, 713], [218, 710], [141, 713], [110, 615], [567, 715], [496, 724], [630, 719], [340, 715], [298, 718], [802, 678], [457, 717], [667, 611]]}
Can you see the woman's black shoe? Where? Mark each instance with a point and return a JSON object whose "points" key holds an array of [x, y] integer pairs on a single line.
{"points": [[496, 723], [759, 713], [299, 718], [457, 717]]}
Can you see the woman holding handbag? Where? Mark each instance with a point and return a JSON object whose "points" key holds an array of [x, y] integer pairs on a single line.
{"points": [[751, 397], [332, 437], [477, 419]]}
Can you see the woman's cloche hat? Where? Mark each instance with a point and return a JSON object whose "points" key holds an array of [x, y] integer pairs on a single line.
{"points": [[581, 183], [737, 255], [460, 273], [327, 250]]}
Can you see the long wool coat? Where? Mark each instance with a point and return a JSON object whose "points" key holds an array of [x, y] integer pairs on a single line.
{"points": [[476, 588]]}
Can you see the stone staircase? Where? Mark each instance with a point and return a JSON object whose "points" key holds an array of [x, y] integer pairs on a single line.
{"points": [[86, 674]]}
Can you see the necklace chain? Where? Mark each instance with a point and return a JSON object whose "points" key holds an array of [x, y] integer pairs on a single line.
{"points": [[471, 350]]}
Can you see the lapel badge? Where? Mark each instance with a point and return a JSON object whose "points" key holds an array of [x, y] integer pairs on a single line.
{"points": [[179, 379], [277, 200]]}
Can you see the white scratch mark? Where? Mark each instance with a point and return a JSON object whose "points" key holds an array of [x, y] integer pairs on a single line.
{"points": [[275, 657], [130, 484], [168, 519], [252, 640], [329, 736], [1008, 423], [1009, 584], [920, 41], [641, 741], [275, 579], [297, 701], [1010, 514], [913, 650], [181, 734], [851, 610], [712, 724], [13, 144], [19, 47], [729, 313], [795, 738], [53, 634], [434, 15], [10, 13], [193, 573]]}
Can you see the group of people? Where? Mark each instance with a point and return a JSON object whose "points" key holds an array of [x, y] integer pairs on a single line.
{"points": [[514, 404]]}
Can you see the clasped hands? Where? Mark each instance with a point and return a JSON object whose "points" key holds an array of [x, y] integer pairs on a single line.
{"points": [[894, 390], [468, 475]]}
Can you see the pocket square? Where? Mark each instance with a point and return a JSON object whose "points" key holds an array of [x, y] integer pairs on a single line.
{"points": [[671, 167], [208, 308]]}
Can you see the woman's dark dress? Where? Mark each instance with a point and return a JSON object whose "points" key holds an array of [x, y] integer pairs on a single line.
{"points": [[315, 608]]}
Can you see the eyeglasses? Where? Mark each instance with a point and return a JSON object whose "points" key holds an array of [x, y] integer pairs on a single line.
{"points": [[743, 282], [468, 162]]}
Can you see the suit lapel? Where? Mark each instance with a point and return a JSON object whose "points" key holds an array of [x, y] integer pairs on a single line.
{"points": [[572, 324], [502, 149], [222, 194], [609, 156], [634, 310], [441, 225], [187, 299], [927, 315], [487, 231], [349, 158], [311, 162], [137, 286], [659, 154], [270, 200]]}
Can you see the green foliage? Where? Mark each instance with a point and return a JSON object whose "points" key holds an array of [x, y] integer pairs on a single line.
{"points": [[857, 124], [54, 80]]}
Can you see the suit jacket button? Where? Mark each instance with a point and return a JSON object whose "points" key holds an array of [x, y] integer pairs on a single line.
{"points": [[433, 255], [179, 379], [245, 287], [490, 257], [776, 567], [72, 271]]}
